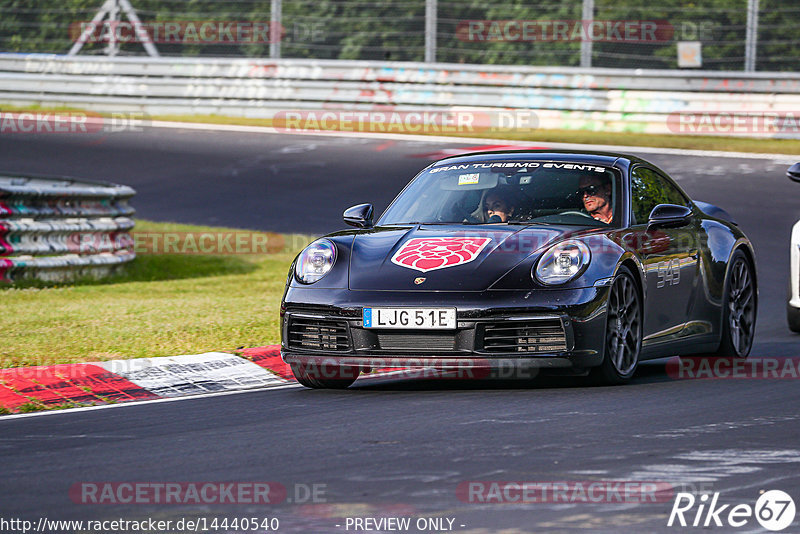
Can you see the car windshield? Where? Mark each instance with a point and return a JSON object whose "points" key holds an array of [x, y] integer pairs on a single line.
{"points": [[509, 192]]}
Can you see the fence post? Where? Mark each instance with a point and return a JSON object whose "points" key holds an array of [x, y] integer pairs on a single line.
{"points": [[430, 31], [586, 44], [111, 9], [750, 46], [275, 30]]}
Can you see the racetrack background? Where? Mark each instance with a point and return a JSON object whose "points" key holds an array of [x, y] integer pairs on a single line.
{"points": [[398, 446]]}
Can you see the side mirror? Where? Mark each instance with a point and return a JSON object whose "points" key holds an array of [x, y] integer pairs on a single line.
{"points": [[794, 172], [669, 215], [359, 216]]}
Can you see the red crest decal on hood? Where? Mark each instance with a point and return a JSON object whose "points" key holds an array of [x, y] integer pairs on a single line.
{"points": [[431, 253]]}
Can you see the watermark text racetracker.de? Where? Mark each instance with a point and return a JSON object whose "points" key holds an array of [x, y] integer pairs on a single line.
{"points": [[609, 31], [150, 525], [764, 368], [243, 242], [413, 121], [207, 243], [71, 122], [201, 492], [177, 32], [564, 491], [635, 31], [732, 122], [238, 242]]}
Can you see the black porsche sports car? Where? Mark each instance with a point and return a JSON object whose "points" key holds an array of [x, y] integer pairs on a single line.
{"points": [[585, 262]]}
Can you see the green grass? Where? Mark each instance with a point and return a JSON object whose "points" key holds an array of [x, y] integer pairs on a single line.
{"points": [[161, 305], [693, 142], [36, 406]]}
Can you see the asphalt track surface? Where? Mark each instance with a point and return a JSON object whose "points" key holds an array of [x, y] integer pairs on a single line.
{"points": [[397, 447]]}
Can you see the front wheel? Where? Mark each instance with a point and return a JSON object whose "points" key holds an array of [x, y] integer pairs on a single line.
{"points": [[738, 309], [623, 339], [323, 377]]}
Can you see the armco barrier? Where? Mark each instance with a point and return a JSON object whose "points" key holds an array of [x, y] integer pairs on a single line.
{"points": [[58, 229], [568, 98]]}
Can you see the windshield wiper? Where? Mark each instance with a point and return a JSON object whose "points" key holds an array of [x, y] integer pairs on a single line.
{"points": [[416, 223]]}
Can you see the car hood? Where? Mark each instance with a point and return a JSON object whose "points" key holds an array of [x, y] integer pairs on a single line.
{"points": [[442, 258]]}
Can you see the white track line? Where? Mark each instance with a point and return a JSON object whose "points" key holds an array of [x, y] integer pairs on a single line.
{"points": [[290, 385], [783, 158]]}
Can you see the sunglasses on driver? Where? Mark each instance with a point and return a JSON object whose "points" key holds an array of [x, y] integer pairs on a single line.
{"points": [[591, 190]]}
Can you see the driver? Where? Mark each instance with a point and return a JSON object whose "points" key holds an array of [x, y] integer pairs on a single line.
{"points": [[595, 191], [498, 205]]}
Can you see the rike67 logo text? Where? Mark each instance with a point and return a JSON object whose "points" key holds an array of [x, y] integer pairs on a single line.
{"points": [[774, 510]]}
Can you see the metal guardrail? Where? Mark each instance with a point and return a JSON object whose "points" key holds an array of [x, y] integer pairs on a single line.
{"points": [[406, 72], [599, 99], [59, 229]]}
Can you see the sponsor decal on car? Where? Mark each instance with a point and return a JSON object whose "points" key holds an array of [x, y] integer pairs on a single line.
{"points": [[431, 253], [518, 165]]}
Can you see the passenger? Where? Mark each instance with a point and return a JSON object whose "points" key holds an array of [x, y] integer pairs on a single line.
{"points": [[595, 191], [499, 205]]}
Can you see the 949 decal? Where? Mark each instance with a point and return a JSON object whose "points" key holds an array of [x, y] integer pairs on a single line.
{"points": [[669, 273]]}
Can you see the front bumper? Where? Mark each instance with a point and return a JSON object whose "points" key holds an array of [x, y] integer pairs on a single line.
{"points": [[579, 312]]}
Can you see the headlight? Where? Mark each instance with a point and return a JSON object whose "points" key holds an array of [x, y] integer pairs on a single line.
{"points": [[315, 261], [562, 262]]}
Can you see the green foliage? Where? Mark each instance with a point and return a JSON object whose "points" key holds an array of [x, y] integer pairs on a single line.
{"points": [[394, 30], [29, 407], [648, 190]]}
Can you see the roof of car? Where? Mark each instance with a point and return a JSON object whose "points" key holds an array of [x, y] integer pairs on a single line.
{"points": [[599, 158]]}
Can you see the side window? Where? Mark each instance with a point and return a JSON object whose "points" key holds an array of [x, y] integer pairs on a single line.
{"points": [[648, 190]]}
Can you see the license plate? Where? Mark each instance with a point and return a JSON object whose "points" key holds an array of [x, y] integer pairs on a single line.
{"points": [[417, 318]]}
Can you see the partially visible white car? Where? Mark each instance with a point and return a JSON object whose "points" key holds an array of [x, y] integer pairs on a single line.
{"points": [[793, 306]]}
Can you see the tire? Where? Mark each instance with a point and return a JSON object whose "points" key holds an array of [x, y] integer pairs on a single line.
{"points": [[623, 337], [739, 306], [793, 318], [308, 377]]}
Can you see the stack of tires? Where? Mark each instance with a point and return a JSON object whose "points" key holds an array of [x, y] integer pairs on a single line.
{"points": [[60, 229]]}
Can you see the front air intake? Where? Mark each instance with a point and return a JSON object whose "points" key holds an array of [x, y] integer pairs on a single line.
{"points": [[318, 334], [418, 341], [539, 336]]}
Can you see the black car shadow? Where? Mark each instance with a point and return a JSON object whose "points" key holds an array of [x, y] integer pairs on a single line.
{"points": [[649, 372]]}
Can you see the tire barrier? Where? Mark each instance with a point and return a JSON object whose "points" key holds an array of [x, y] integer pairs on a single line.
{"points": [[59, 229], [633, 100]]}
